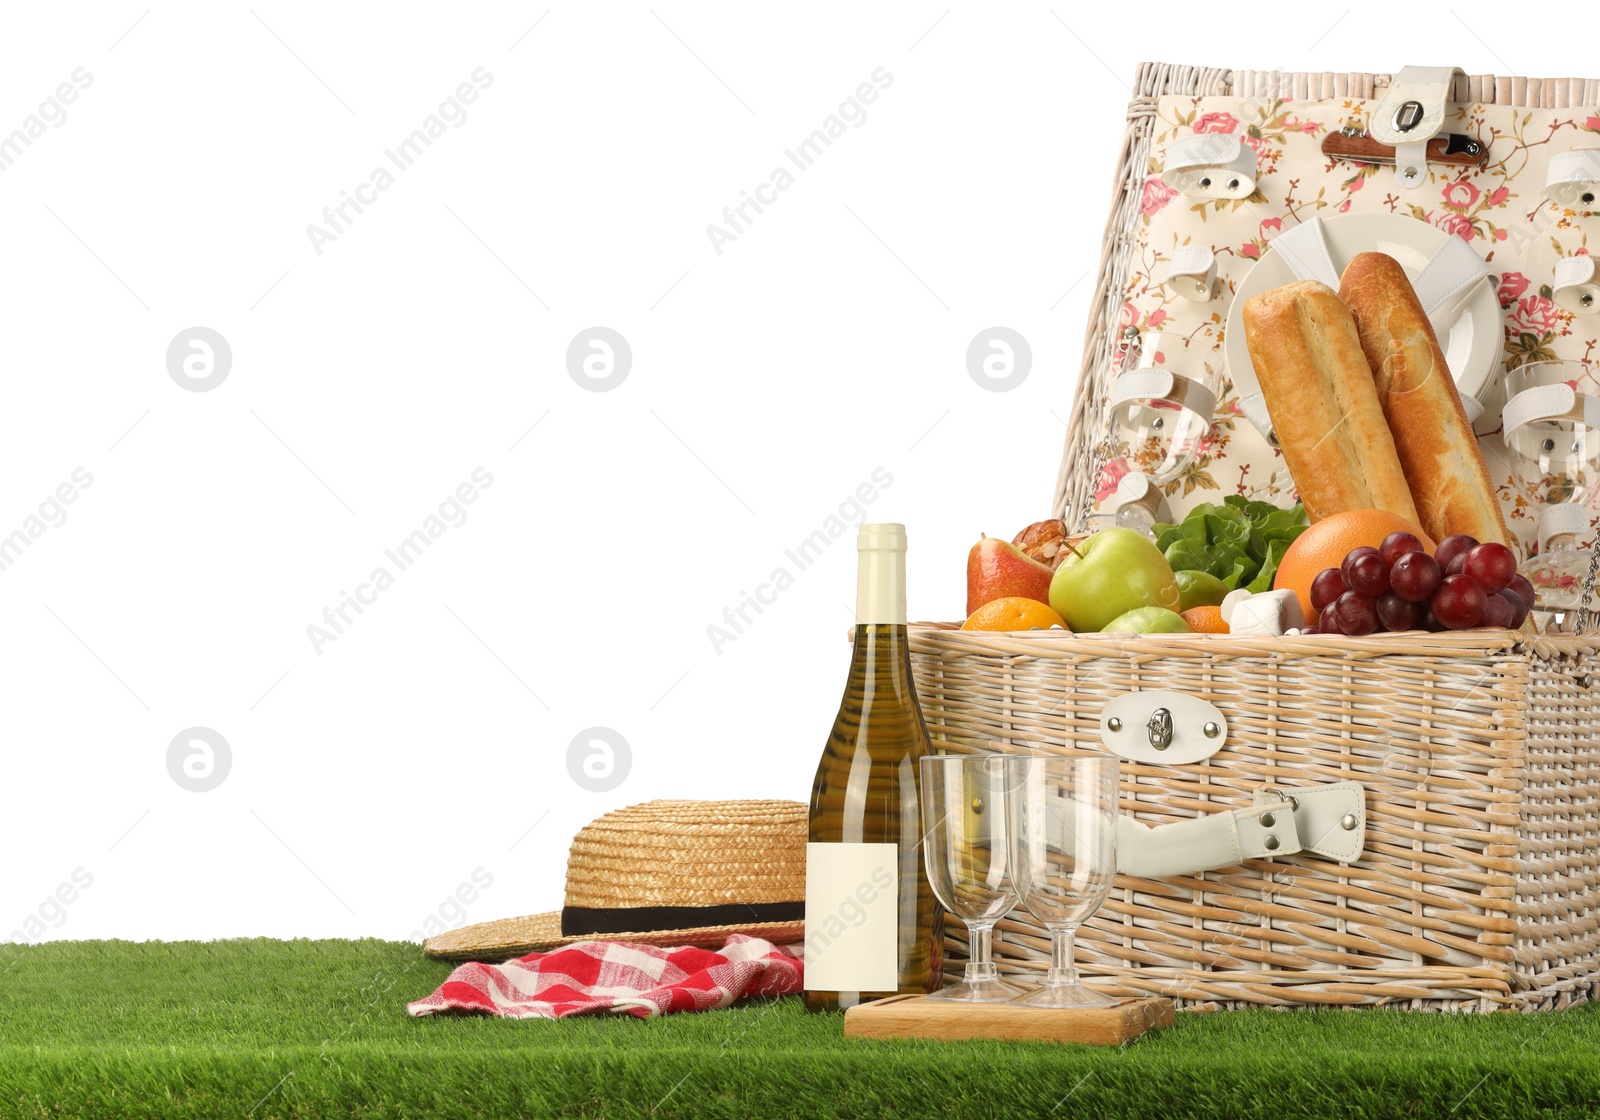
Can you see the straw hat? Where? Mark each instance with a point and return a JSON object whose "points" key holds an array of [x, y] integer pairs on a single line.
{"points": [[665, 873]]}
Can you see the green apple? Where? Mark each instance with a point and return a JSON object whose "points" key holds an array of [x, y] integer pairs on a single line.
{"points": [[1148, 620], [1199, 589], [1109, 574]]}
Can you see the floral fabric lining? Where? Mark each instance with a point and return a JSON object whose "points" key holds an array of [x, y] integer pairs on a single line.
{"points": [[1500, 210]]}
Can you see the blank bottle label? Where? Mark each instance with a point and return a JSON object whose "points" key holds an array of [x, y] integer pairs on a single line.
{"points": [[852, 910]]}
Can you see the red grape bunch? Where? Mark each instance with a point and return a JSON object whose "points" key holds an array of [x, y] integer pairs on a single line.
{"points": [[1398, 586]]}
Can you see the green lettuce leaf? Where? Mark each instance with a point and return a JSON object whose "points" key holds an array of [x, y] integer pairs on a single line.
{"points": [[1185, 555], [1191, 529], [1238, 540], [1269, 567]]}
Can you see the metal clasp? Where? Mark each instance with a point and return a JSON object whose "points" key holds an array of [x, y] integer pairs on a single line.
{"points": [[1160, 729], [1408, 116], [1294, 802]]}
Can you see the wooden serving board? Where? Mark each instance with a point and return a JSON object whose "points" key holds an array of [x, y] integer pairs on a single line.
{"points": [[947, 1021]]}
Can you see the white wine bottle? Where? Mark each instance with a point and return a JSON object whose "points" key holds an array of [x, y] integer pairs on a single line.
{"points": [[873, 927]]}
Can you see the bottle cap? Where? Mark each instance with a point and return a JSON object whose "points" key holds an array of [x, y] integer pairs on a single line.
{"points": [[1561, 520], [881, 575], [883, 536]]}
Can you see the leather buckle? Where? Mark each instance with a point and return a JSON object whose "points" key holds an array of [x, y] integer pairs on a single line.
{"points": [[1411, 113]]}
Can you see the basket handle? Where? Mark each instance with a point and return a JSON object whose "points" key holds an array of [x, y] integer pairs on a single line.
{"points": [[1327, 819]]}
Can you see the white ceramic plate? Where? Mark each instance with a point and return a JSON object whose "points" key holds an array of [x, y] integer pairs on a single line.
{"points": [[1469, 326]]}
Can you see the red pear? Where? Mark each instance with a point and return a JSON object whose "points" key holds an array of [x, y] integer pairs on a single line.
{"points": [[997, 569]]}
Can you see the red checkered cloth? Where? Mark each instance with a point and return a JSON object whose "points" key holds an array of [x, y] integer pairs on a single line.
{"points": [[640, 980]]}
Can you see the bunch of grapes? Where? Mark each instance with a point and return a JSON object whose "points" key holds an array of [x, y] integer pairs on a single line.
{"points": [[1398, 586]]}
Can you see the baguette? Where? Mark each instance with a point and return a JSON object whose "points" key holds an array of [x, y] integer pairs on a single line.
{"points": [[1438, 450], [1323, 403]]}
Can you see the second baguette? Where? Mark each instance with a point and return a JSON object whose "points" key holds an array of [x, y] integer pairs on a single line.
{"points": [[1323, 403], [1438, 449]]}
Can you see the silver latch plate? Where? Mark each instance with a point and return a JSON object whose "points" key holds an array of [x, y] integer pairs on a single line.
{"points": [[1159, 725]]}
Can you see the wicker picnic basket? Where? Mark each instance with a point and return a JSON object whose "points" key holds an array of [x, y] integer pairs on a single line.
{"points": [[1478, 883]]}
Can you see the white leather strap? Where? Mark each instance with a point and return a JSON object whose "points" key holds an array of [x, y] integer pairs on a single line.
{"points": [[1192, 272], [1327, 820], [1163, 385], [1472, 405], [1454, 268], [1575, 285], [1305, 250], [1410, 113], [1561, 519], [1569, 176], [1546, 402], [1210, 165], [1203, 844], [1141, 385], [1330, 818], [1254, 407], [1135, 490]]}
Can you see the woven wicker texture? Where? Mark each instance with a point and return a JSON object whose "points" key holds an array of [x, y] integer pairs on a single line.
{"points": [[1479, 887], [690, 853], [663, 853]]}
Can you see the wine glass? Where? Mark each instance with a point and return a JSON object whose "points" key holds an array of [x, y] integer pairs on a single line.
{"points": [[966, 847], [1064, 852], [1554, 447], [1162, 405]]}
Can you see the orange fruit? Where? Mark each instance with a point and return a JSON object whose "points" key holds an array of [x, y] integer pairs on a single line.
{"points": [[1013, 613], [1205, 620], [1326, 544]]}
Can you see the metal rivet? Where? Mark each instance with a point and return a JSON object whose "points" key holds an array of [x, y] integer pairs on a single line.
{"points": [[1206, 182], [977, 804], [1585, 681], [1348, 822], [1113, 724], [1588, 197], [1268, 820], [1586, 299], [1158, 423], [1548, 446], [1271, 843], [1233, 184], [1211, 730]]}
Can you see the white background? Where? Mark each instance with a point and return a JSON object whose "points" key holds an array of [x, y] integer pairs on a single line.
{"points": [[367, 382]]}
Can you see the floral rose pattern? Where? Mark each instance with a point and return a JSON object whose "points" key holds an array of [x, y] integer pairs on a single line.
{"points": [[1500, 210]]}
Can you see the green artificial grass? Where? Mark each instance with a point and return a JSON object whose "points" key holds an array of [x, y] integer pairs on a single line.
{"points": [[265, 1029]]}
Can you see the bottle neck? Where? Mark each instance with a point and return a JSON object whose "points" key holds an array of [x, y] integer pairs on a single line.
{"points": [[881, 587]]}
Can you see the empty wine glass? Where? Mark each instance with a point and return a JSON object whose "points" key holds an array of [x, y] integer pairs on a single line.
{"points": [[1162, 405], [966, 847], [1064, 855]]}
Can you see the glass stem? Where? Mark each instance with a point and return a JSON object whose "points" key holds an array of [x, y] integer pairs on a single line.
{"points": [[1063, 972], [979, 966]]}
